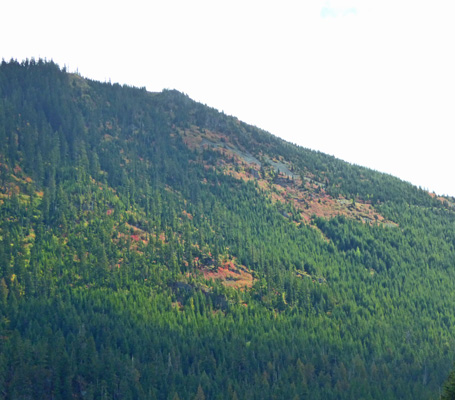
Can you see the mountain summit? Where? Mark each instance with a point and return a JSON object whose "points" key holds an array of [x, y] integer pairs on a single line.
{"points": [[152, 247]]}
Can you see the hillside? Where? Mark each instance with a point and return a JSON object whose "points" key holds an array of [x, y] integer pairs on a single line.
{"points": [[152, 247]]}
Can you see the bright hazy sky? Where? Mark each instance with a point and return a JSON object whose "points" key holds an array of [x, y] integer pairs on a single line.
{"points": [[369, 81]]}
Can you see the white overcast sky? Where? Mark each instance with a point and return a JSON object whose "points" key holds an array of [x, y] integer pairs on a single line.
{"points": [[369, 81]]}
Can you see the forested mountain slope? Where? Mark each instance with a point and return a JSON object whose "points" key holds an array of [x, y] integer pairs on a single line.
{"points": [[152, 247]]}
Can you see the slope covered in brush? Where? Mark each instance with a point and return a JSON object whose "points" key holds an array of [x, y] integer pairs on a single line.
{"points": [[152, 247]]}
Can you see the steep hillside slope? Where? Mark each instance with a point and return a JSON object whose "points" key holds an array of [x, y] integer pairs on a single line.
{"points": [[152, 247]]}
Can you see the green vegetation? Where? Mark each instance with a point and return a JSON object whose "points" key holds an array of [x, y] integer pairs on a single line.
{"points": [[120, 207]]}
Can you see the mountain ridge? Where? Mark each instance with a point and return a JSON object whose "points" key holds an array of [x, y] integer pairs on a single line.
{"points": [[171, 251]]}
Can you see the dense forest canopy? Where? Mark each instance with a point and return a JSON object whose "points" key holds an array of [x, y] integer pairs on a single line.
{"points": [[152, 247]]}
